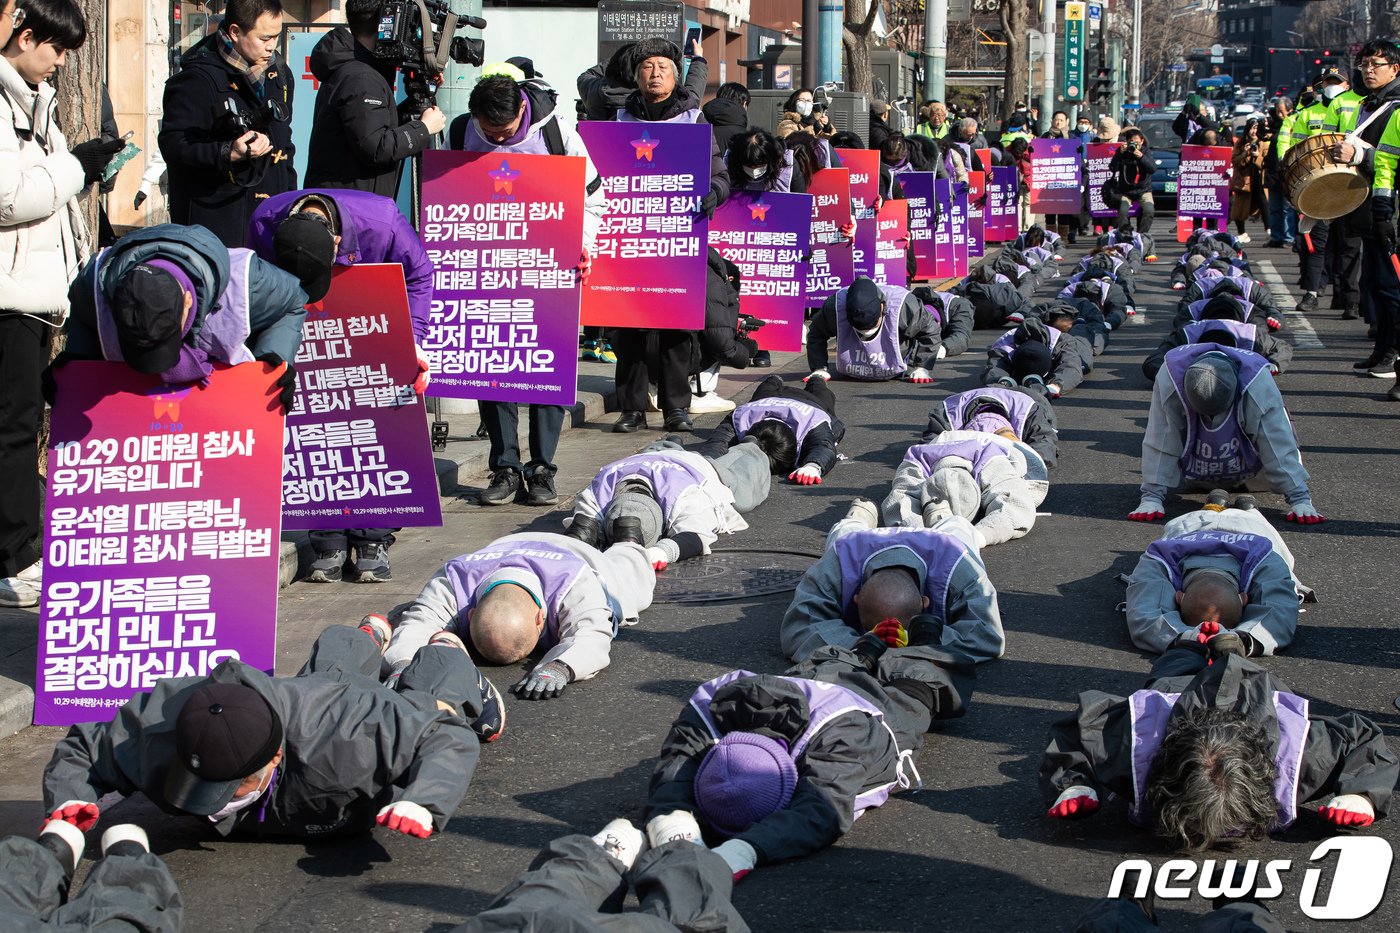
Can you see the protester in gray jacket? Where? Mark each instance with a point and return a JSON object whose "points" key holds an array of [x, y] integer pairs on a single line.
{"points": [[326, 753]]}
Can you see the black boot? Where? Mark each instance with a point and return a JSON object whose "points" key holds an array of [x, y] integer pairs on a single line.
{"points": [[925, 629], [627, 528], [629, 422], [869, 648], [585, 528]]}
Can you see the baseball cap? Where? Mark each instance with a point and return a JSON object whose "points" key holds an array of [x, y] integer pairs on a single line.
{"points": [[304, 246], [148, 309], [864, 305], [879, 106], [224, 733]]}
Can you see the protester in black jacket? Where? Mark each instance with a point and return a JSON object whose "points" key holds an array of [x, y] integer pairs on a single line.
{"points": [[1130, 180], [359, 138], [720, 343], [799, 431], [996, 302], [955, 316], [227, 132], [728, 113]]}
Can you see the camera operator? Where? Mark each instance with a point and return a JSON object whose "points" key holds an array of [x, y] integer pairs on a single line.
{"points": [[227, 132], [359, 138], [1130, 180]]}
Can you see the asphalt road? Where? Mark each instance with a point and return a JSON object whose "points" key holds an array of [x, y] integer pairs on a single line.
{"points": [[972, 850]]}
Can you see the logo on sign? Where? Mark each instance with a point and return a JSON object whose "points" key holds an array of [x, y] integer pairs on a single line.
{"points": [[758, 211], [504, 178], [645, 146], [165, 403]]}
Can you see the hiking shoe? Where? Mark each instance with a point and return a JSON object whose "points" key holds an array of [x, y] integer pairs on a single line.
{"points": [[865, 512], [1245, 503], [378, 628], [1243, 238], [372, 563], [1384, 368], [629, 422], [1217, 501], [540, 487], [1375, 357], [18, 594], [504, 487], [328, 567], [1308, 302]]}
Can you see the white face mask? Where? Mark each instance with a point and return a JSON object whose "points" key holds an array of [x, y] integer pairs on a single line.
{"points": [[755, 171], [1083, 127], [804, 108], [246, 801], [1331, 91]]}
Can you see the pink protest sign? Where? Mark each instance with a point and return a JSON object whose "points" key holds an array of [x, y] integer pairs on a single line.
{"points": [[959, 229], [892, 244], [1096, 168], [356, 450], [943, 231], [505, 233], [1204, 184], [768, 235], [976, 213], [1056, 175], [864, 166], [650, 267], [833, 256], [161, 535]]}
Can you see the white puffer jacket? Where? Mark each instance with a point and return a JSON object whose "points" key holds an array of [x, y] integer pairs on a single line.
{"points": [[43, 238]]}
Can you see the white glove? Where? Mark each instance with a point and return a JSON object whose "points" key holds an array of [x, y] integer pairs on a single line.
{"points": [[657, 558], [980, 538], [669, 827], [739, 856], [406, 817], [1303, 512], [1075, 801], [919, 375], [1347, 810], [809, 474], [1359, 147], [942, 351], [819, 374]]}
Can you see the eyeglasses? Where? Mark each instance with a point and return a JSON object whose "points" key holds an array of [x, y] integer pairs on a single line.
{"points": [[1374, 64], [16, 17]]}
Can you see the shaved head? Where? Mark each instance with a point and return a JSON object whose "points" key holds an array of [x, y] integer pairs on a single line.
{"points": [[1211, 597], [505, 624], [891, 593]]}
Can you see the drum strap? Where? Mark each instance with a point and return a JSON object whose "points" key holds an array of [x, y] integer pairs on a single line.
{"points": [[1367, 122]]}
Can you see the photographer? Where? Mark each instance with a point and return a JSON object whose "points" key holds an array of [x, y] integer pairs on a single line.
{"points": [[1247, 178], [1130, 180], [359, 138], [227, 133]]}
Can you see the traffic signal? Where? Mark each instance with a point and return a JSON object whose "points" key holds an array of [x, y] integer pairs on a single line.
{"points": [[1101, 87]]}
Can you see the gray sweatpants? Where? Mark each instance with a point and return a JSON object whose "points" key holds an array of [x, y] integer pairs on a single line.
{"points": [[122, 892], [573, 886]]}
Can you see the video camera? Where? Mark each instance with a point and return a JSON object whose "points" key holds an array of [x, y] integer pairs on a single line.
{"points": [[748, 324], [420, 37]]}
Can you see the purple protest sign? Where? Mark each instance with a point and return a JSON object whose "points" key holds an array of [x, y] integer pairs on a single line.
{"points": [[959, 229], [356, 451], [767, 234], [505, 233], [1056, 176], [976, 213], [833, 256], [918, 190], [892, 244], [943, 232], [1204, 184], [1096, 164], [162, 534], [1000, 224], [650, 267]]}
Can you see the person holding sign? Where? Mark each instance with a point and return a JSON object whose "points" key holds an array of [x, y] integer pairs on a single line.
{"points": [[531, 591], [1217, 418], [796, 428], [882, 332], [1130, 181]]}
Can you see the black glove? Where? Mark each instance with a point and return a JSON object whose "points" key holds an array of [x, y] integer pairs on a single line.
{"points": [[1383, 222], [749, 344], [287, 382], [708, 204], [94, 155], [545, 682]]}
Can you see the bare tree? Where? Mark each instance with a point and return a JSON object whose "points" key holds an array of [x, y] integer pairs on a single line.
{"points": [[855, 36], [1015, 24], [1322, 25]]}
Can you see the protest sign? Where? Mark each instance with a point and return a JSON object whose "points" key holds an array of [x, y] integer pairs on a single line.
{"points": [[505, 233], [918, 190], [833, 256], [768, 235], [1000, 223], [356, 451], [649, 270], [943, 232], [892, 244], [976, 213], [1096, 163], [864, 166], [1056, 176], [161, 536], [959, 228], [1204, 183]]}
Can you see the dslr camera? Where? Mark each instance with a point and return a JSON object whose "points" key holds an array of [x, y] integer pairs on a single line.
{"points": [[748, 324], [420, 38], [230, 122]]}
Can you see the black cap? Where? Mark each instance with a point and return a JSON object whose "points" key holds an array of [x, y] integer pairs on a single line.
{"points": [[526, 65], [305, 247], [224, 733], [1031, 358], [865, 304], [149, 307]]}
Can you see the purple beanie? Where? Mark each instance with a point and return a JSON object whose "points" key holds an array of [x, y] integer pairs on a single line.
{"points": [[988, 423], [744, 778]]}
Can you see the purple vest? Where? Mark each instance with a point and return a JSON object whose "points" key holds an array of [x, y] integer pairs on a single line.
{"points": [[825, 702], [1072, 289], [1151, 712], [1224, 453], [556, 566], [1209, 279], [939, 554], [223, 334], [685, 116], [979, 452], [1249, 551], [1017, 404], [802, 417], [1196, 307], [1246, 335], [1007, 341], [1040, 254], [877, 360], [668, 475], [533, 143], [939, 306]]}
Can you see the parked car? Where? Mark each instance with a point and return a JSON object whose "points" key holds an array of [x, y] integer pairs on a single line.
{"points": [[1166, 152]]}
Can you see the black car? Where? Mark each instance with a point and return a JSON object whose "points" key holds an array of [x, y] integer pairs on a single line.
{"points": [[1166, 152]]}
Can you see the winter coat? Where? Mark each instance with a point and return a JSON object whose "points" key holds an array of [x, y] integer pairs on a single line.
{"points": [[1246, 180], [992, 302], [351, 748], [956, 314], [372, 230], [719, 340], [358, 139], [605, 87], [1070, 358], [918, 335], [1279, 353], [1254, 292], [729, 118], [43, 238], [819, 445], [206, 187], [1041, 430], [1131, 177], [276, 303]]}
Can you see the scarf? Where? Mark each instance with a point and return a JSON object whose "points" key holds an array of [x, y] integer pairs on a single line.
{"points": [[238, 63]]}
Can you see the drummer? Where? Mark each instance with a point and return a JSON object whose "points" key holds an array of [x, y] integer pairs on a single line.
{"points": [[1373, 152], [1345, 242]]}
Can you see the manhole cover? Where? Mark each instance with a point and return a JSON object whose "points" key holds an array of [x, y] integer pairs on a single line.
{"points": [[732, 574]]}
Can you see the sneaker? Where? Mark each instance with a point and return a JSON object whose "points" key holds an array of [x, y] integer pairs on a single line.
{"points": [[491, 724], [1394, 393], [18, 594], [588, 352], [34, 573], [1243, 238], [1351, 314], [1015, 317], [1308, 302], [378, 628], [936, 510], [621, 840], [1035, 384], [1227, 642], [865, 512], [1245, 503], [605, 352], [448, 640], [1375, 357], [371, 563], [505, 486], [328, 567], [1384, 368], [710, 403], [1217, 501], [539, 487]]}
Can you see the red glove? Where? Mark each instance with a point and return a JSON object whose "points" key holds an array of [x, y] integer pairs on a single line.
{"points": [[1148, 510], [1075, 802], [1303, 513], [80, 814], [849, 230], [809, 474], [425, 371], [408, 818], [1273, 322], [892, 633], [1347, 810], [585, 266], [657, 558], [1208, 631]]}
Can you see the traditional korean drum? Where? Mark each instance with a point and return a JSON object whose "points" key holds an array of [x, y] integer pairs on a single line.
{"points": [[1317, 186]]}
